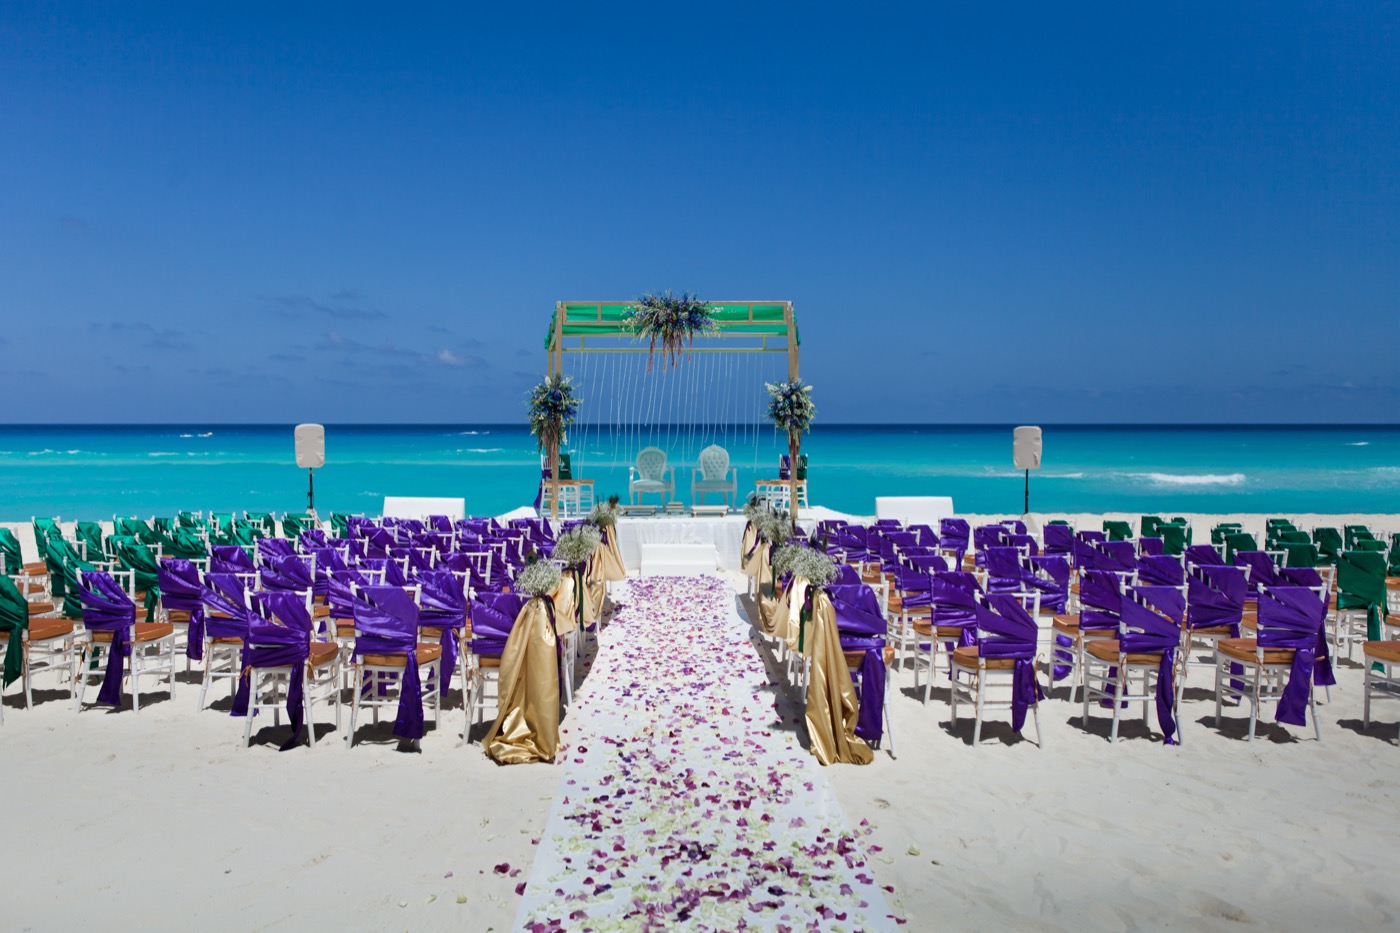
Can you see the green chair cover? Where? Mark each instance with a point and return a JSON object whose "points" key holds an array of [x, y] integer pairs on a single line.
{"points": [[1218, 533], [14, 620], [1294, 536], [1299, 553], [64, 563], [186, 545], [244, 534], [1361, 585], [188, 520], [1174, 537], [1394, 558], [10, 552], [90, 536], [263, 520], [223, 519], [340, 525], [1147, 527], [294, 523], [1355, 533], [1368, 544], [137, 557], [163, 524], [44, 529], [1117, 531], [1329, 544], [1239, 541]]}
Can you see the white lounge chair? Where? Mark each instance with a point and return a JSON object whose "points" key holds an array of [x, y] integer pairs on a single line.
{"points": [[651, 475], [714, 475]]}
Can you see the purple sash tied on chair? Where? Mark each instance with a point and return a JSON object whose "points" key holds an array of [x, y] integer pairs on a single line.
{"points": [[861, 628], [107, 608], [1059, 539], [284, 640], [1202, 554], [1006, 630], [1003, 569], [286, 572], [1100, 593], [1160, 570], [1322, 663], [1294, 617], [493, 616], [1151, 546], [183, 591], [444, 605], [230, 558], [1151, 620], [230, 618], [386, 622], [1050, 573]]}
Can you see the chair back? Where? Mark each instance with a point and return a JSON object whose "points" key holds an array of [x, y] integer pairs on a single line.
{"points": [[857, 610], [1004, 628], [1150, 618], [953, 533], [1050, 573], [1059, 539], [180, 585], [1161, 570], [11, 557], [227, 609], [1215, 595], [493, 616], [386, 620], [651, 463], [1361, 580], [443, 598], [229, 558], [286, 573], [954, 595], [1117, 530], [1291, 617], [1100, 599], [1003, 569], [714, 463], [1203, 554], [281, 619]]}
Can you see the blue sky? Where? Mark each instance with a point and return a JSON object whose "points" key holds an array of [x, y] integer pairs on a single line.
{"points": [[983, 213]]}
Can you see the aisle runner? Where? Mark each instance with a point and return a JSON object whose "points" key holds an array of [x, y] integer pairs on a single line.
{"points": [[680, 807]]}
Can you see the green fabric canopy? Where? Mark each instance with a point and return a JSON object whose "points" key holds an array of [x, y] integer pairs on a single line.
{"points": [[609, 319]]}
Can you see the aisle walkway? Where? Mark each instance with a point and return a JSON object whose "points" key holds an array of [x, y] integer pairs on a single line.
{"points": [[683, 804]]}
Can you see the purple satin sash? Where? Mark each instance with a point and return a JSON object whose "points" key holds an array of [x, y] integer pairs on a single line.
{"points": [[1151, 619], [493, 616], [1052, 579], [286, 572], [953, 533], [444, 605], [1294, 617], [283, 641], [386, 622], [107, 608], [1003, 569], [1203, 554], [861, 627], [227, 597], [229, 558], [182, 590], [1006, 630], [1160, 570], [1150, 546], [1059, 539]]}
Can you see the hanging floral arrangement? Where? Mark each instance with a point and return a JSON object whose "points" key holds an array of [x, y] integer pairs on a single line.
{"points": [[790, 407], [673, 321], [553, 407]]}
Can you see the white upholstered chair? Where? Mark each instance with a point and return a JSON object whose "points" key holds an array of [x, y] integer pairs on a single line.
{"points": [[714, 474], [651, 475]]}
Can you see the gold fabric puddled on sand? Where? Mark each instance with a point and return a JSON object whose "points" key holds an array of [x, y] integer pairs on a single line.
{"points": [[832, 707], [527, 727]]}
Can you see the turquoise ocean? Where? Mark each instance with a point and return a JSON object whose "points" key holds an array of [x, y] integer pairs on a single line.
{"points": [[95, 472]]}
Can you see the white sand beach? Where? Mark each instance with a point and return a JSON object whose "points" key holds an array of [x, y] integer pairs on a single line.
{"points": [[161, 820]]}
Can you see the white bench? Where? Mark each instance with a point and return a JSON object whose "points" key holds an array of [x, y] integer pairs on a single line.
{"points": [[678, 560]]}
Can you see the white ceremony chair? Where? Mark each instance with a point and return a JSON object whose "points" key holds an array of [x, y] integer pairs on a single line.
{"points": [[650, 475], [714, 474]]}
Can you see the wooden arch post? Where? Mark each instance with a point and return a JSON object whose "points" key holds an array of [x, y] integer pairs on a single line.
{"points": [[794, 440]]}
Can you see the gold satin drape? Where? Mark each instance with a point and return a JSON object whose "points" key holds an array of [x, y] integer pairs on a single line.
{"points": [[527, 727], [609, 557], [832, 707]]}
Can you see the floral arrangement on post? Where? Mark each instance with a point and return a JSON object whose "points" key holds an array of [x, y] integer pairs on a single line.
{"points": [[792, 411], [809, 564], [674, 321], [539, 578], [553, 407], [604, 514], [574, 547]]}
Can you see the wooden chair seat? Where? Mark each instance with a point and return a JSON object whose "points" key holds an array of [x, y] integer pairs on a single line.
{"points": [[45, 629], [177, 616], [1247, 649], [37, 569], [228, 640], [1106, 649], [425, 653], [320, 612], [854, 659], [40, 609], [31, 587], [1386, 651], [1223, 630], [323, 653], [487, 661], [967, 656], [145, 631]]}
